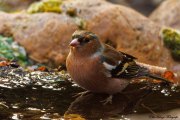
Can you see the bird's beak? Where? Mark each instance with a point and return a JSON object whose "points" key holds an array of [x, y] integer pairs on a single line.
{"points": [[74, 43]]}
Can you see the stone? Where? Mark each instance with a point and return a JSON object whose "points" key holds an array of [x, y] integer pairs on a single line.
{"points": [[167, 14]]}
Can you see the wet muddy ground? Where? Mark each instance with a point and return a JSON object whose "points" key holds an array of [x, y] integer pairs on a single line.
{"points": [[50, 95]]}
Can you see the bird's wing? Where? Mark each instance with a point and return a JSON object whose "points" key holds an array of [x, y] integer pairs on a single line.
{"points": [[121, 65]]}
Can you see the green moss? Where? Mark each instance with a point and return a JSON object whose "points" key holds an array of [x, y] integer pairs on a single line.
{"points": [[171, 39], [11, 50], [45, 6], [55, 6]]}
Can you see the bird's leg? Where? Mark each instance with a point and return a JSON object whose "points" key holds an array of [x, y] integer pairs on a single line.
{"points": [[107, 100], [80, 94], [146, 107]]}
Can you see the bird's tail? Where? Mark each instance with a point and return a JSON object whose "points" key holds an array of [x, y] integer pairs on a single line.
{"points": [[145, 72], [158, 78]]}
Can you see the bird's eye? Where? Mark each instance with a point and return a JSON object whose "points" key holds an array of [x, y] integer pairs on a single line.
{"points": [[80, 40], [86, 40]]}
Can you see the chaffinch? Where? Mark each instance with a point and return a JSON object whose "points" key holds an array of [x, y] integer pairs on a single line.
{"points": [[99, 68]]}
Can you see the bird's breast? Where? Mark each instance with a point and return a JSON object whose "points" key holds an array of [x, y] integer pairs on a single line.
{"points": [[86, 74]]}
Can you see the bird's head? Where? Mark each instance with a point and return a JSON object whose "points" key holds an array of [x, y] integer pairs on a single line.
{"points": [[85, 42]]}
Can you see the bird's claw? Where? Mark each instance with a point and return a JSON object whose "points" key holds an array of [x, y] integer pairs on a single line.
{"points": [[107, 100], [81, 94]]}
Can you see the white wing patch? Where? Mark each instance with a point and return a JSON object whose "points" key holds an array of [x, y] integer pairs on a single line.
{"points": [[108, 66]]}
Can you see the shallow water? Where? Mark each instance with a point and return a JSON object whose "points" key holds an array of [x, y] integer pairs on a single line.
{"points": [[49, 95]]}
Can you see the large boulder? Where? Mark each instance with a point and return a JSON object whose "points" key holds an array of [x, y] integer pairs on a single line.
{"points": [[46, 36], [143, 6]]}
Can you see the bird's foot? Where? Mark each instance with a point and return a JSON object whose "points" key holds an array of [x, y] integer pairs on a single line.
{"points": [[107, 100], [81, 94]]}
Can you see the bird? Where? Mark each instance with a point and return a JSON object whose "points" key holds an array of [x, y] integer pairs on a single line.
{"points": [[100, 68]]}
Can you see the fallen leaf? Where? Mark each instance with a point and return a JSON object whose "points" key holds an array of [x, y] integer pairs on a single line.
{"points": [[4, 63], [169, 75], [42, 68]]}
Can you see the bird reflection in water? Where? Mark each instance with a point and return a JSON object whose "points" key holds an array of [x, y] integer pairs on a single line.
{"points": [[90, 105]]}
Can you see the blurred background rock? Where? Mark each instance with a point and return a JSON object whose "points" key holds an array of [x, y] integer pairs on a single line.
{"points": [[143, 6], [14, 5]]}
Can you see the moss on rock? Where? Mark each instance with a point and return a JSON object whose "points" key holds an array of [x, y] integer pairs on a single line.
{"points": [[10, 50], [45, 6], [171, 39]]}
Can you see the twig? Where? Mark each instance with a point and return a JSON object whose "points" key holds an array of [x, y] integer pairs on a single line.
{"points": [[146, 107]]}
